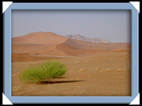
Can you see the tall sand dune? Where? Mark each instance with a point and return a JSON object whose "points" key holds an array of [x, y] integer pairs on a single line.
{"points": [[48, 38], [49, 43]]}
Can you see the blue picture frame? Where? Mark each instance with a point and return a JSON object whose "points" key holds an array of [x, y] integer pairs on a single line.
{"points": [[71, 99]]}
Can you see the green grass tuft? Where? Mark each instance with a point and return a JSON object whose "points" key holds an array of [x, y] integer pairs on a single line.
{"points": [[89, 60], [43, 72]]}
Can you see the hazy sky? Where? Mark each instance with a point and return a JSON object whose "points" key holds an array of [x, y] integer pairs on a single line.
{"points": [[113, 25]]}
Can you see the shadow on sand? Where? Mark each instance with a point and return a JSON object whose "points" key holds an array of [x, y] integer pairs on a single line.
{"points": [[54, 82]]}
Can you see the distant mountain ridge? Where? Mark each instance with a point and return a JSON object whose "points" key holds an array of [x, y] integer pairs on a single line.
{"points": [[87, 39]]}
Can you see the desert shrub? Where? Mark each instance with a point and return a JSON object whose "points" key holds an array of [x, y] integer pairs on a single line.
{"points": [[89, 60], [43, 72]]}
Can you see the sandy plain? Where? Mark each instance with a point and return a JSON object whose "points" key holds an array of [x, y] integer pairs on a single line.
{"points": [[102, 74]]}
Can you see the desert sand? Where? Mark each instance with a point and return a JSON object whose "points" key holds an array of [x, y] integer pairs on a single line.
{"points": [[93, 69]]}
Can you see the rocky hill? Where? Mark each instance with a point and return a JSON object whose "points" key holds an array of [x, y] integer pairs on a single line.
{"points": [[87, 39]]}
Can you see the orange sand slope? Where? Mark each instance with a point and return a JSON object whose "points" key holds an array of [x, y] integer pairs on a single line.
{"points": [[48, 38], [49, 43], [24, 57]]}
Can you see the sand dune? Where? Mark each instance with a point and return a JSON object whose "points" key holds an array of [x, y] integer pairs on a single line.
{"points": [[74, 51], [103, 46], [48, 38], [49, 43]]}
